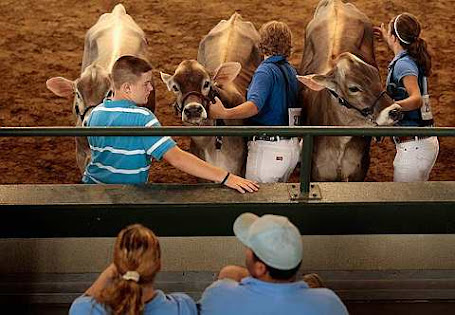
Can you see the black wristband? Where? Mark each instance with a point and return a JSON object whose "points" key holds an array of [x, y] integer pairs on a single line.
{"points": [[225, 179]]}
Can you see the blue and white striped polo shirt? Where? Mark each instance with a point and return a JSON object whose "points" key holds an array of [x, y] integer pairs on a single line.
{"points": [[123, 160]]}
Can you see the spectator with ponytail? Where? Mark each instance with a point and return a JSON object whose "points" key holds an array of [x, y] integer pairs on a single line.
{"points": [[407, 85], [126, 286]]}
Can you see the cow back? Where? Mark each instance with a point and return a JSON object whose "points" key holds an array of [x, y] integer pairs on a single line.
{"points": [[336, 28], [232, 40]]}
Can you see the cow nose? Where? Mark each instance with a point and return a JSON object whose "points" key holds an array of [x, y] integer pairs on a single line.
{"points": [[193, 111]]}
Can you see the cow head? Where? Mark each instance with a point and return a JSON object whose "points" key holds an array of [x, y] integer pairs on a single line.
{"points": [[88, 91], [357, 86], [195, 88]]}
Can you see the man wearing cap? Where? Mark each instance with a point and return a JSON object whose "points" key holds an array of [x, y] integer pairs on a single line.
{"points": [[268, 284]]}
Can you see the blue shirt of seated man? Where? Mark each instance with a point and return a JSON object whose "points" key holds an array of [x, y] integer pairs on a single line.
{"points": [[253, 296]]}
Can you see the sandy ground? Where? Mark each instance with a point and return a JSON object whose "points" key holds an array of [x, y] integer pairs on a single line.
{"points": [[41, 39]]}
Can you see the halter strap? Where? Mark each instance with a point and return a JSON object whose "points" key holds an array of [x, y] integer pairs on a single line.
{"points": [[365, 112]]}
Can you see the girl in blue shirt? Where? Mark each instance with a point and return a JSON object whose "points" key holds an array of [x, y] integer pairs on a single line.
{"points": [[126, 286], [407, 85]]}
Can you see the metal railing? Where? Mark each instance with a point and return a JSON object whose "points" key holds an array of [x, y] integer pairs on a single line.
{"points": [[307, 133]]}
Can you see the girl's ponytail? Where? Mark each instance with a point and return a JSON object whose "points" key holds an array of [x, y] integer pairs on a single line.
{"points": [[419, 51], [407, 28]]}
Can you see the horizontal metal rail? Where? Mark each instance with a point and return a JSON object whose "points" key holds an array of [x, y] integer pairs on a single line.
{"points": [[239, 131]]}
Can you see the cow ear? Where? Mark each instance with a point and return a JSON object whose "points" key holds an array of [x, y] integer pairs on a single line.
{"points": [[60, 86], [316, 82], [167, 79], [227, 72]]}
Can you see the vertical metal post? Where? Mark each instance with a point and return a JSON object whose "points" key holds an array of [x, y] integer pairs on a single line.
{"points": [[305, 164]]}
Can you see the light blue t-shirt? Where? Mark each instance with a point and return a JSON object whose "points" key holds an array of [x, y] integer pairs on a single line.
{"points": [[401, 66], [252, 296], [123, 160], [162, 304], [267, 91]]}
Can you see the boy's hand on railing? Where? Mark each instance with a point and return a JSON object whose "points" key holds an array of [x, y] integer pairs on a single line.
{"points": [[241, 184]]}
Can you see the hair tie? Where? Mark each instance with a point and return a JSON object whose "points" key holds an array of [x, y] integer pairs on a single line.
{"points": [[396, 31], [131, 275]]}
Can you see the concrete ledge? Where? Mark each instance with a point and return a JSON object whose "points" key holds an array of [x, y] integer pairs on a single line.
{"points": [[396, 285], [40, 211], [183, 254]]}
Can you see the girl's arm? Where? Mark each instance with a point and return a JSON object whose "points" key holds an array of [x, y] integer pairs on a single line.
{"points": [[414, 101]]}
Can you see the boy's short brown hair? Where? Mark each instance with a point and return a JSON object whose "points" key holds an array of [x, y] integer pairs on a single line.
{"points": [[275, 39], [128, 69]]}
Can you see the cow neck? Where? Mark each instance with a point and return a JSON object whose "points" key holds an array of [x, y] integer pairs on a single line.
{"points": [[366, 112]]}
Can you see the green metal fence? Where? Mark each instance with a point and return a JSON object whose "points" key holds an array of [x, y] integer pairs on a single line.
{"points": [[307, 133]]}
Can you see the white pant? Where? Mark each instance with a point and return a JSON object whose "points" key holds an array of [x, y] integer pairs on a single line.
{"points": [[272, 161], [415, 159]]}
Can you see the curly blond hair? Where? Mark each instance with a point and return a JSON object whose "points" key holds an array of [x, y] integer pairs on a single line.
{"points": [[275, 39]]}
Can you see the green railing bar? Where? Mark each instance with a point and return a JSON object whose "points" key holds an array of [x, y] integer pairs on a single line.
{"points": [[305, 166], [224, 131], [242, 131]]}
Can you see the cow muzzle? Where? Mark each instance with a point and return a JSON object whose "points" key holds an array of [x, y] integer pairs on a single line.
{"points": [[390, 115], [194, 113]]}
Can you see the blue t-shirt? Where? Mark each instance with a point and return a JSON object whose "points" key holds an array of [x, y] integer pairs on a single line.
{"points": [[267, 91], [252, 296], [123, 160], [401, 66], [162, 304]]}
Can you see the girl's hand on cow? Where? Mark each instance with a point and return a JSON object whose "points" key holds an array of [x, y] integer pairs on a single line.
{"points": [[241, 184], [380, 33], [217, 110]]}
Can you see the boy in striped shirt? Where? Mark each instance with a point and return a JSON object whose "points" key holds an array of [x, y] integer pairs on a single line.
{"points": [[126, 160]]}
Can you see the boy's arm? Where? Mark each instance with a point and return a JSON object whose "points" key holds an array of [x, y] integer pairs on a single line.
{"points": [[192, 165]]}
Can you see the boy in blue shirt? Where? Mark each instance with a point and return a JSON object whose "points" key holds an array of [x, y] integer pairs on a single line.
{"points": [[271, 101], [126, 160]]}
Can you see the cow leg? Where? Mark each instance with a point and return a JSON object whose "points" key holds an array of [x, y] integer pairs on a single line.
{"points": [[325, 156], [83, 154], [151, 101], [354, 165]]}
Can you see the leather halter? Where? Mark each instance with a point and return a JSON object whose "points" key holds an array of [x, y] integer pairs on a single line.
{"points": [[82, 115], [205, 101], [365, 112]]}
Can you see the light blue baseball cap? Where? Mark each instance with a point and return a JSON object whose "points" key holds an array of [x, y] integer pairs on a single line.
{"points": [[273, 238]]}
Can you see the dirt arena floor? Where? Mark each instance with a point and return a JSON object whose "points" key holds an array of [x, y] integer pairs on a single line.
{"points": [[41, 39]]}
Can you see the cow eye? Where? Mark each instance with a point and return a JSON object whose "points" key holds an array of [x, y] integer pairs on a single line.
{"points": [[175, 88], [354, 89], [206, 84]]}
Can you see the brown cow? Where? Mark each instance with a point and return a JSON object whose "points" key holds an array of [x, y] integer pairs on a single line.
{"points": [[343, 89], [230, 53], [114, 35]]}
